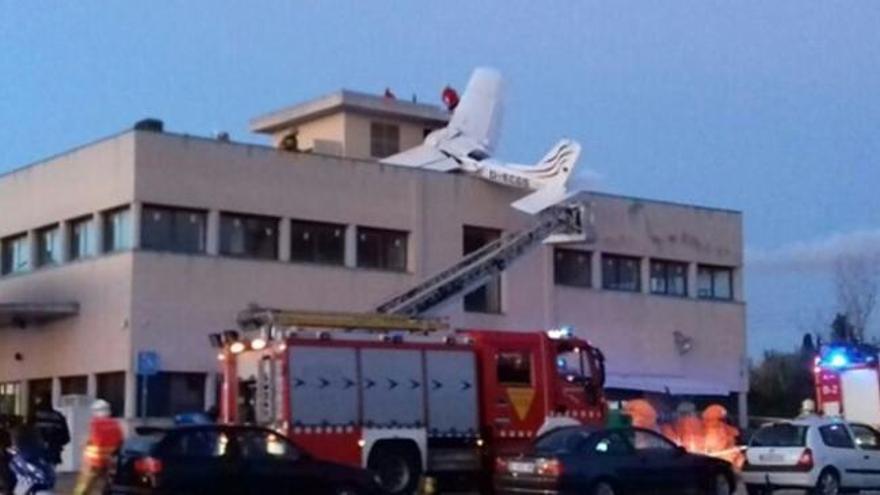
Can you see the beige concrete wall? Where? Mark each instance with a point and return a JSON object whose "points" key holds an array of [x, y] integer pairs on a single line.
{"points": [[635, 329], [357, 134], [169, 302]]}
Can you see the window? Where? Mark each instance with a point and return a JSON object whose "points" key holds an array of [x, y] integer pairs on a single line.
{"points": [[614, 443], [198, 443], [111, 387], [836, 436], [265, 445], [866, 437], [74, 385], [177, 230], [515, 368], [16, 254], [380, 248], [249, 236], [117, 230], [48, 246], [82, 238], [621, 273], [170, 393], [316, 242], [384, 139], [485, 299], [572, 267], [562, 441], [39, 389], [780, 435], [646, 441], [669, 278], [9, 398], [714, 282]]}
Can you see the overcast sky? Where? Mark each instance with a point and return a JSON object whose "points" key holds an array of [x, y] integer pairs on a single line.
{"points": [[771, 108]]}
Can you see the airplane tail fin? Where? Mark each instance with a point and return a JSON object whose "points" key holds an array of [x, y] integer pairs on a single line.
{"points": [[551, 173]]}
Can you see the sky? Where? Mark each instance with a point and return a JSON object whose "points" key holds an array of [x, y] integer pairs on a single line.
{"points": [[770, 108]]}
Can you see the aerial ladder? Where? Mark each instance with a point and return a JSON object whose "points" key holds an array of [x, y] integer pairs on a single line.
{"points": [[566, 222]]}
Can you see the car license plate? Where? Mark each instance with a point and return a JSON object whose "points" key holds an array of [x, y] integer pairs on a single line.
{"points": [[771, 458], [522, 467]]}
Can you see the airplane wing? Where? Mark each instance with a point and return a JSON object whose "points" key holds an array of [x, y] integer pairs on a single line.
{"points": [[423, 156], [478, 115]]}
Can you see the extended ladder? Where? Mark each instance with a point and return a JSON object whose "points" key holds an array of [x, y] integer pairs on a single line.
{"points": [[475, 268]]}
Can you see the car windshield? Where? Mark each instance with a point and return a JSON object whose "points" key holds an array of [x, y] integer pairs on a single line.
{"points": [[561, 441], [780, 435]]}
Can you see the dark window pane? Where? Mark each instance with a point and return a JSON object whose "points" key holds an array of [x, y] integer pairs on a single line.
{"points": [[173, 229], [714, 282], [117, 230], [197, 443], [170, 393], [10, 397], [249, 236], [111, 387], [669, 277], [317, 242], [621, 273], [384, 140], [48, 246], [39, 389], [16, 254], [836, 436], [515, 368], [485, 299], [780, 435], [381, 248], [82, 238], [74, 385], [572, 267]]}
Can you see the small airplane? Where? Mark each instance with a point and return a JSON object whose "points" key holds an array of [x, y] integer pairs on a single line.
{"points": [[466, 145]]}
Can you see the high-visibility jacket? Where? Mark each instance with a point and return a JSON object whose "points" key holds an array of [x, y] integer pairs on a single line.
{"points": [[105, 436]]}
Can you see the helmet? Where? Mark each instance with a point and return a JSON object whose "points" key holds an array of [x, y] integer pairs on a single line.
{"points": [[101, 408]]}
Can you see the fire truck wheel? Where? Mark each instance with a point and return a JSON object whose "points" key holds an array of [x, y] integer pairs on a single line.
{"points": [[398, 466]]}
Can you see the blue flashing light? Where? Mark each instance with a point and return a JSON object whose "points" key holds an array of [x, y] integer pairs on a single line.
{"points": [[838, 359]]}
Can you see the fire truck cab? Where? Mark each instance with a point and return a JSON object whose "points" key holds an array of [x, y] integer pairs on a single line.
{"points": [[848, 382], [411, 403]]}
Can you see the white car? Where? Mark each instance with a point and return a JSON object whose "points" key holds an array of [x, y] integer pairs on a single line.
{"points": [[822, 455]]}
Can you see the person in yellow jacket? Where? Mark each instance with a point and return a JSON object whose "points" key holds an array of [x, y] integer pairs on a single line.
{"points": [[105, 437]]}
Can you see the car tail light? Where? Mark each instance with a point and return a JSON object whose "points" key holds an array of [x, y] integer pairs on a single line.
{"points": [[148, 466], [550, 467], [805, 461], [500, 465]]}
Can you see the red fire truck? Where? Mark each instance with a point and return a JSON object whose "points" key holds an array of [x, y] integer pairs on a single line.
{"points": [[848, 382], [406, 397]]}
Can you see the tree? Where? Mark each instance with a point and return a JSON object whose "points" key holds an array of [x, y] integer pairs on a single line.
{"points": [[857, 282], [782, 381]]}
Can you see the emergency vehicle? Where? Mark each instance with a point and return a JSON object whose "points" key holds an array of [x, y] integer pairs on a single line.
{"points": [[847, 382], [404, 395]]}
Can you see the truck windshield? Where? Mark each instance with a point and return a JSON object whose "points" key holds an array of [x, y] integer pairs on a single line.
{"points": [[573, 363], [780, 435]]}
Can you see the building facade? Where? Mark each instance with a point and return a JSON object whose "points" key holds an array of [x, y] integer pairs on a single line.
{"points": [[160, 239]]}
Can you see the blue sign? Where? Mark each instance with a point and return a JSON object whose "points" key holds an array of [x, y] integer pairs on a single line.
{"points": [[148, 363]]}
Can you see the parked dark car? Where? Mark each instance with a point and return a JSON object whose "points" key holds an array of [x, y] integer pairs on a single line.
{"points": [[225, 459], [590, 461]]}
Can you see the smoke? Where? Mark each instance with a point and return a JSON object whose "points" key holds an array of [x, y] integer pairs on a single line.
{"points": [[817, 255]]}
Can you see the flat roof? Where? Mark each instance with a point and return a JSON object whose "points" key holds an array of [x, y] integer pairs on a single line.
{"points": [[347, 100], [272, 149], [23, 314]]}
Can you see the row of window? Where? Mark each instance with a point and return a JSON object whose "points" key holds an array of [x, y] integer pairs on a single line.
{"points": [[573, 267], [182, 230], [170, 393]]}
